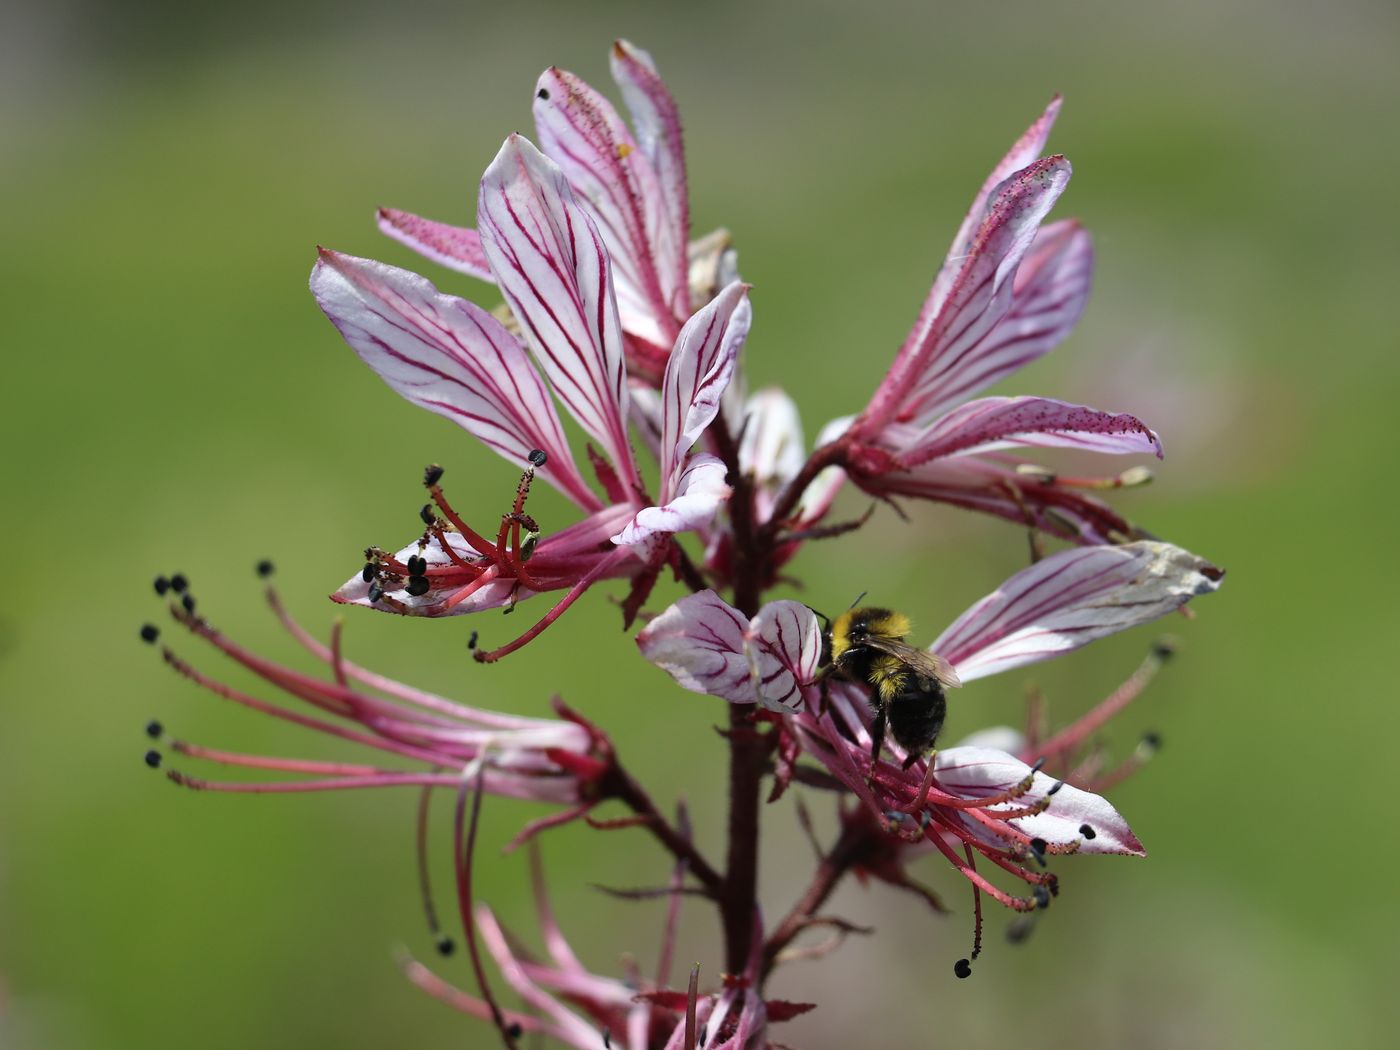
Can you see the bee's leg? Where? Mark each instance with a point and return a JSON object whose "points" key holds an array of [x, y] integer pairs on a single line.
{"points": [[1033, 536], [877, 739]]}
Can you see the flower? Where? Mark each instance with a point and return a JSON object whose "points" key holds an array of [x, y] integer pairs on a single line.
{"points": [[1009, 291], [565, 762], [453, 358], [633, 187], [977, 798]]}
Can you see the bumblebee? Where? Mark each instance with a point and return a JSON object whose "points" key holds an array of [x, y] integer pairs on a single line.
{"points": [[867, 646]]}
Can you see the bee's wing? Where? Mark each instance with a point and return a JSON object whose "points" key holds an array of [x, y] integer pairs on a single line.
{"points": [[928, 664]]}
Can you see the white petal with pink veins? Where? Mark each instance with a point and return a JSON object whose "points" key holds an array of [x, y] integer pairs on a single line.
{"points": [[1073, 815], [581, 132], [449, 356], [1070, 599], [658, 124], [991, 423], [697, 374], [1050, 292], [700, 642], [980, 294], [700, 493], [551, 264], [456, 247], [785, 646]]}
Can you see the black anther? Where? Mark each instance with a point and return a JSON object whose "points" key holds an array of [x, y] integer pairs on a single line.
{"points": [[162, 585], [178, 583], [1088, 832], [265, 568], [963, 969], [149, 633], [153, 759], [154, 729], [429, 518], [417, 586], [537, 457], [367, 573], [432, 474]]}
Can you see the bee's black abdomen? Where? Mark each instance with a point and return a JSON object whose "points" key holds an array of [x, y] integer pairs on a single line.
{"points": [[916, 714]]}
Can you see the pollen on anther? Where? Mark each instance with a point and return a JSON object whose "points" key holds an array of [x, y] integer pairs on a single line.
{"points": [[538, 457], [149, 633], [963, 969], [162, 585], [154, 729], [1088, 832], [375, 592], [417, 566], [367, 573], [1055, 787], [417, 586], [153, 759], [1038, 846], [1042, 897], [265, 568], [432, 474], [187, 600], [427, 514], [178, 583]]}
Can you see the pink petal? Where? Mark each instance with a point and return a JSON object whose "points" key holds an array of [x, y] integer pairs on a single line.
{"points": [[582, 133], [1003, 422], [700, 642], [785, 641], [976, 772], [450, 357], [1068, 600], [697, 374], [456, 247], [553, 268], [978, 297], [1024, 152], [701, 491], [1051, 289], [658, 124]]}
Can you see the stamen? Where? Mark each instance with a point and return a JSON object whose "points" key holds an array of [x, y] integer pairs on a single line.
{"points": [[444, 943], [603, 566], [1074, 735], [976, 910]]}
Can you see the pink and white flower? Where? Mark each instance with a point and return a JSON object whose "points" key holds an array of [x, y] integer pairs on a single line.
{"points": [[1009, 291], [633, 187], [453, 358], [983, 798]]}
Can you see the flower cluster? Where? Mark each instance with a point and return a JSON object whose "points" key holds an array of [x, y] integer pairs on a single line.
{"points": [[616, 318]]}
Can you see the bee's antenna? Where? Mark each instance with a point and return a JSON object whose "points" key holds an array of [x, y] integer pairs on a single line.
{"points": [[859, 596], [823, 617]]}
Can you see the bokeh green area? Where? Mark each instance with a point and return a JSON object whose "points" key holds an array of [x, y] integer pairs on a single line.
{"points": [[174, 401]]}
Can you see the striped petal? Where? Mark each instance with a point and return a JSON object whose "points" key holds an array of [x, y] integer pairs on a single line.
{"points": [[772, 449], [658, 125], [978, 772], [450, 357], [785, 646], [697, 374], [710, 647], [699, 642], [553, 268], [1041, 422], [1023, 152], [456, 247], [979, 296], [700, 493], [1050, 292], [1070, 599], [581, 132]]}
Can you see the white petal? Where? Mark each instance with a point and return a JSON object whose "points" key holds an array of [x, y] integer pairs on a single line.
{"points": [[697, 373], [976, 772], [785, 645], [700, 493], [1068, 600], [448, 356], [772, 450], [552, 267], [700, 642]]}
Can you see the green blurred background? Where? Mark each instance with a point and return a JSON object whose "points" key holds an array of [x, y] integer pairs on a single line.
{"points": [[174, 401]]}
